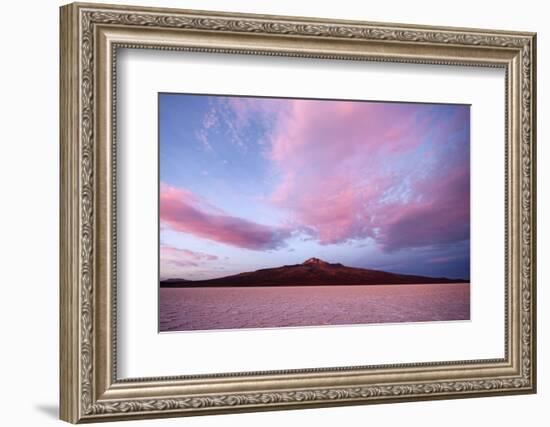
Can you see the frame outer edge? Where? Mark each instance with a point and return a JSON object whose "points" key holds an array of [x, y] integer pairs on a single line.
{"points": [[304, 19], [69, 355], [78, 340], [533, 201]]}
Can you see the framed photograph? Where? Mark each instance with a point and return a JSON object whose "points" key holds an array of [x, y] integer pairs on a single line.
{"points": [[266, 212], [327, 189]]}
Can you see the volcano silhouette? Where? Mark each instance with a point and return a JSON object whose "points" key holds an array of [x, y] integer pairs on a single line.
{"points": [[312, 272]]}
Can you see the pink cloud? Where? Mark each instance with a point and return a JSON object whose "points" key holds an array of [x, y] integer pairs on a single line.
{"points": [[183, 211], [394, 172], [332, 132], [352, 170]]}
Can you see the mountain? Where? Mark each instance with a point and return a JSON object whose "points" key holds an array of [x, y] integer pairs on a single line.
{"points": [[314, 272]]}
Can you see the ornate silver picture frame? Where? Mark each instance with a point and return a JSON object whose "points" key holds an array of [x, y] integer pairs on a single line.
{"points": [[91, 37]]}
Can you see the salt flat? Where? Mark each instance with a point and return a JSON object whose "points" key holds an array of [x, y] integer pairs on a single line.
{"points": [[186, 309]]}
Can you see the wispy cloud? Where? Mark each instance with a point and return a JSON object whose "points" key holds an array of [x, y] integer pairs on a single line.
{"points": [[175, 262], [183, 257], [202, 137]]}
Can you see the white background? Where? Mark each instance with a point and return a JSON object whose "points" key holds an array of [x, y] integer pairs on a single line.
{"points": [[29, 170], [145, 353]]}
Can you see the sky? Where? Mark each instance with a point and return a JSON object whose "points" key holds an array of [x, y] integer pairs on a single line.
{"points": [[249, 183]]}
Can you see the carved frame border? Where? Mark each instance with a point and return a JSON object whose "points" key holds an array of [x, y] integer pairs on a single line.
{"points": [[90, 390]]}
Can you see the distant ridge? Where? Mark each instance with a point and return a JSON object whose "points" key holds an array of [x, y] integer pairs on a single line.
{"points": [[312, 272]]}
